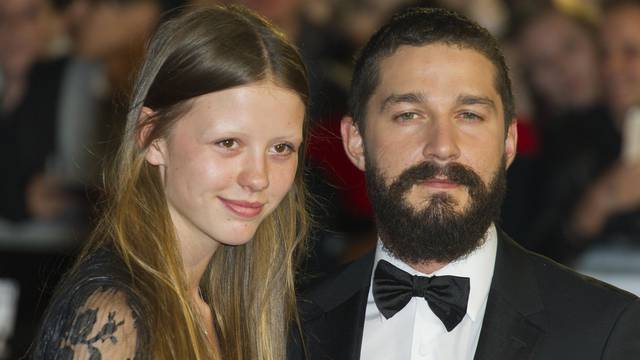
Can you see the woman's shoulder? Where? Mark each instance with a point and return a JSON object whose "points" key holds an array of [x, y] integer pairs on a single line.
{"points": [[93, 314], [104, 326]]}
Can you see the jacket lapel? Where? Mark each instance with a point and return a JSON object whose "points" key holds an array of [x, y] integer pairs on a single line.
{"points": [[514, 320]]}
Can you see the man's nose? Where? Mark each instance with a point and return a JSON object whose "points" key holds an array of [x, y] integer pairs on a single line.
{"points": [[442, 141]]}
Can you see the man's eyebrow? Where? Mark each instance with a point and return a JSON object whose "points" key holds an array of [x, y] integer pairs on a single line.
{"points": [[412, 98], [476, 100]]}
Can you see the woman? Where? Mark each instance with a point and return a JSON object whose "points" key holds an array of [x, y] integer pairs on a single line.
{"points": [[194, 255]]}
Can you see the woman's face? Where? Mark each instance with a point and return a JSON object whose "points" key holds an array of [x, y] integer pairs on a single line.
{"points": [[229, 161]]}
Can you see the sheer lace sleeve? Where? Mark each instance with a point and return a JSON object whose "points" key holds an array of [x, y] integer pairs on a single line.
{"points": [[102, 328]]}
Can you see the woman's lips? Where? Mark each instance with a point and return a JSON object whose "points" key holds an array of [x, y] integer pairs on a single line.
{"points": [[245, 209]]}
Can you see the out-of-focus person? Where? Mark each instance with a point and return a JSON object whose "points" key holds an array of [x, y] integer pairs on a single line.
{"points": [[582, 190], [59, 115], [112, 32], [28, 89], [109, 37], [560, 56], [107, 40], [611, 206], [31, 39], [621, 44], [22, 41]]}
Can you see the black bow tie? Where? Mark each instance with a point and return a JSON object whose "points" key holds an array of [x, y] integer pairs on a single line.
{"points": [[447, 296]]}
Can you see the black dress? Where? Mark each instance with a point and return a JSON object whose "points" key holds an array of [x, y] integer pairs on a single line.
{"points": [[93, 314]]}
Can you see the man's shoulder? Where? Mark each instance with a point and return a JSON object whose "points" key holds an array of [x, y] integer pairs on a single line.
{"points": [[564, 291], [557, 279], [580, 317]]}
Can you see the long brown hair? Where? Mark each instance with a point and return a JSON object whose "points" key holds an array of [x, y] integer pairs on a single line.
{"points": [[198, 52]]}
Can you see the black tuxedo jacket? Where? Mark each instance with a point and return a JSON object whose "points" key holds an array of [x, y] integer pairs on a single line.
{"points": [[537, 309]]}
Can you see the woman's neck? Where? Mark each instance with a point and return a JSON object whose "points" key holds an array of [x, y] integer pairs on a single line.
{"points": [[196, 249], [195, 257]]}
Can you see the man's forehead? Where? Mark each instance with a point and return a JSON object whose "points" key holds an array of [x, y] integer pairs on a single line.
{"points": [[412, 69]]}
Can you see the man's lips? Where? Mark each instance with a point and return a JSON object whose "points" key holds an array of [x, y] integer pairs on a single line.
{"points": [[443, 184], [246, 209]]}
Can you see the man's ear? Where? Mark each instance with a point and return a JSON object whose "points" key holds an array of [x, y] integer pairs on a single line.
{"points": [[155, 153], [352, 142], [511, 142]]}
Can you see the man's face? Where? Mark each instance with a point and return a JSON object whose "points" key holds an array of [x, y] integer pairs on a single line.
{"points": [[621, 43], [435, 140]]}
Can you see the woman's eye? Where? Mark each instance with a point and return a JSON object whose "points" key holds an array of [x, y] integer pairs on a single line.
{"points": [[282, 149], [227, 143]]}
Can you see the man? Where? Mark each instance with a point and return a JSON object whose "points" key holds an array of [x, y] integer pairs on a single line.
{"points": [[431, 126]]}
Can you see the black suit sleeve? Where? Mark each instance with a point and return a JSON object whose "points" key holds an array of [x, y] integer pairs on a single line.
{"points": [[624, 339]]}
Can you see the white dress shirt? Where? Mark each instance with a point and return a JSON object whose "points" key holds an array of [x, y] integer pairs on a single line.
{"points": [[415, 332]]}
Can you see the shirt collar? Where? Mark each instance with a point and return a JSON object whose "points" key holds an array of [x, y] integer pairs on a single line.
{"points": [[477, 266]]}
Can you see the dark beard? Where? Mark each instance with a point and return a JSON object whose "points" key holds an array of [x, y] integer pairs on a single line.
{"points": [[438, 232]]}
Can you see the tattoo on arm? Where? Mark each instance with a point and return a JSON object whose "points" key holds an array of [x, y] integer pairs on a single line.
{"points": [[82, 327]]}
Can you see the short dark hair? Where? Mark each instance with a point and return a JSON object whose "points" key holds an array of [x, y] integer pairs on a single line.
{"points": [[419, 26]]}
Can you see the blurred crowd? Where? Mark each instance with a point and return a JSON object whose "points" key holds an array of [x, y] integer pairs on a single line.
{"points": [[66, 65]]}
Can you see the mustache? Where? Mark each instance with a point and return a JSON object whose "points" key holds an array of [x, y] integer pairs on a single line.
{"points": [[427, 170]]}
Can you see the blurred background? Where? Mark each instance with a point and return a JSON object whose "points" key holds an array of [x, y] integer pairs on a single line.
{"points": [[573, 191]]}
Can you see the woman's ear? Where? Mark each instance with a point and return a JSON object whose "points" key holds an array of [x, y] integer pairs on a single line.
{"points": [[145, 126], [155, 153]]}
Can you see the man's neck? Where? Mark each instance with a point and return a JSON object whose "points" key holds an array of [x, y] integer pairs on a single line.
{"points": [[428, 267]]}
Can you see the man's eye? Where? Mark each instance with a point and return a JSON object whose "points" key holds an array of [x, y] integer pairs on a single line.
{"points": [[467, 115], [227, 143], [406, 116]]}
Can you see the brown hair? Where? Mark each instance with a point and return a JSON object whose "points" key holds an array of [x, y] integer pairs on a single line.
{"points": [[198, 52]]}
